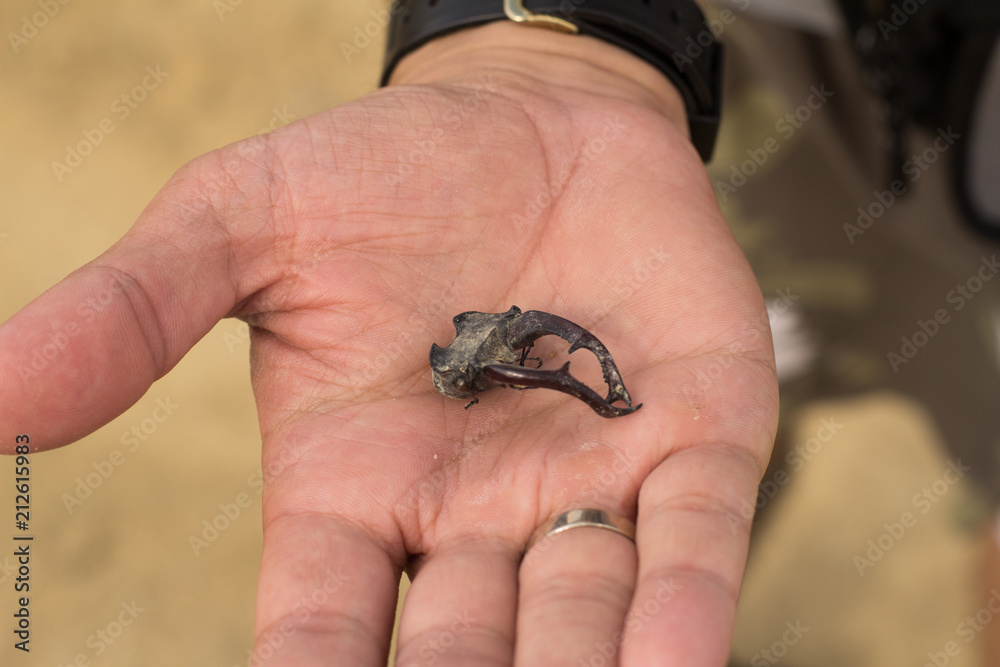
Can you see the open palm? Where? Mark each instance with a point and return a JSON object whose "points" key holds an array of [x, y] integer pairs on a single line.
{"points": [[348, 241]]}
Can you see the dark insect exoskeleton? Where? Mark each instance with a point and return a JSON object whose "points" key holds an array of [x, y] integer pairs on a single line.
{"points": [[489, 350]]}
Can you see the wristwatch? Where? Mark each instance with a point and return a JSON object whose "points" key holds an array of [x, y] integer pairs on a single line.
{"points": [[671, 35]]}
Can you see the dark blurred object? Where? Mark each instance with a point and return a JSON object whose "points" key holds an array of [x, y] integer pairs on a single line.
{"points": [[846, 304], [936, 63]]}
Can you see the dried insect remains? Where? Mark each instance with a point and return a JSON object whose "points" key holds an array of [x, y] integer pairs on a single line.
{"points": [[490, 349]]}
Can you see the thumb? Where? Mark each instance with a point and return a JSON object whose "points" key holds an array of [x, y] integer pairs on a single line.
{"points": [[88, 348]]}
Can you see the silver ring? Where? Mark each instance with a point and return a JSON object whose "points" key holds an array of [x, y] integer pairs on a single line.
{"points": [[581, 518]]}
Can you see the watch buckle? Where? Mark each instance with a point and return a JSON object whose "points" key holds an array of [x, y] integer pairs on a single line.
{"points": [[516, 11]]}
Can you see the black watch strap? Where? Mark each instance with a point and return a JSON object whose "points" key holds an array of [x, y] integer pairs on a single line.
{"points": [[671, 35]]}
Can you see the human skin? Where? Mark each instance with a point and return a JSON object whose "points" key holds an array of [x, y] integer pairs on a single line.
{"points": [[333, 252]]}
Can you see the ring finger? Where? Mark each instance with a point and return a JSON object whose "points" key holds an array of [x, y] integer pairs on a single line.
{"points": [[575, 589]]}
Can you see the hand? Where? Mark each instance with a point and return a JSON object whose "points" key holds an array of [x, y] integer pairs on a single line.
{"points": [[517, 167]]}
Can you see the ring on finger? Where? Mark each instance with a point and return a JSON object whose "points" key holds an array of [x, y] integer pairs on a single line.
{"points": [[583, 518]]}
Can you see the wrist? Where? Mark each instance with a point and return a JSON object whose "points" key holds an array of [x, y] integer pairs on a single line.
{"points": [[544, 60]]}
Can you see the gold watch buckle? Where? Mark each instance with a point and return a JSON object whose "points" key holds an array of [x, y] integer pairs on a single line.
{"points": [[515, 11]]}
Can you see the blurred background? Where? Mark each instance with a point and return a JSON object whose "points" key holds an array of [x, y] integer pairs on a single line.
{"points": [[140, 557]]}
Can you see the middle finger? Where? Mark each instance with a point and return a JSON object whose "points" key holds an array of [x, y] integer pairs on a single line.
{"points": [[460, 607]]}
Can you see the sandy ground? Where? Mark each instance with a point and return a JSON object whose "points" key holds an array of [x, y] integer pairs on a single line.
{"points": [[114, 515]]}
